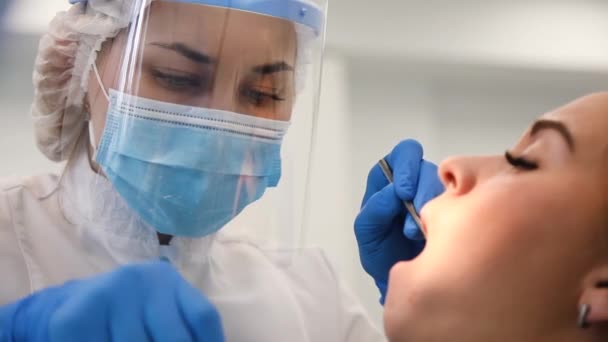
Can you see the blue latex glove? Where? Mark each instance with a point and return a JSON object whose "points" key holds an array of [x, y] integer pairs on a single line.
{"points": [[147, 302], [386, 234]]}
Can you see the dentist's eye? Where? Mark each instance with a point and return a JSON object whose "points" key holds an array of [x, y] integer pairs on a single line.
{"points": [[261, 98], [177, 81], [520, 163]]}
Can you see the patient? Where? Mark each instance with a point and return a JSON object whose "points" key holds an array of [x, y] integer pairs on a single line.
{"points": [[535, 226]]}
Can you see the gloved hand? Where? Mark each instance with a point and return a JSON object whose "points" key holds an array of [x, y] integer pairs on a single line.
{"points": [[386, 234], [147, 302]]}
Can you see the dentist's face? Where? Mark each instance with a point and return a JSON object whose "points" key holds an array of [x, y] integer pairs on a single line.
{"points": [[201, 56], [511, 241]]}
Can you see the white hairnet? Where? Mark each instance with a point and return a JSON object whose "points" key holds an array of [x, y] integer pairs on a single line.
{"points": [[62, 66], [65, 56]]}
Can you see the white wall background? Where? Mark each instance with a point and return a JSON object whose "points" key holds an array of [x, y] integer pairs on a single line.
{"points": [[461, 76]]}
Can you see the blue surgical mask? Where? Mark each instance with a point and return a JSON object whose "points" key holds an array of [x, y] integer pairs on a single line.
{"points": [[187, 171]]}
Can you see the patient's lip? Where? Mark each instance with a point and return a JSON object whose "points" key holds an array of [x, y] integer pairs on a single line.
{"points": [[424, 226]]}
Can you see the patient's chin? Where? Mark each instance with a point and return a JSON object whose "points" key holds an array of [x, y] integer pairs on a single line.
{"points": [[398, 299], [396, 314], [402, 322]]}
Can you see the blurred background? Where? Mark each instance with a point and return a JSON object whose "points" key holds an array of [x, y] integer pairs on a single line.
{"points": [[462, 77]]}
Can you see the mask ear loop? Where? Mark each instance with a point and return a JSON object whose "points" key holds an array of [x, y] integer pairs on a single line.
{"points": [[105, 94], [103, 88]]}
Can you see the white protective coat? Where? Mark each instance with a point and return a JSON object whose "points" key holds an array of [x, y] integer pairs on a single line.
{"points": [[261, 296]]}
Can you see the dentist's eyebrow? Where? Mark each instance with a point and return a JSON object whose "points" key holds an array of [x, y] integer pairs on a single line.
{"points": [[186, 51], [271, 68]]}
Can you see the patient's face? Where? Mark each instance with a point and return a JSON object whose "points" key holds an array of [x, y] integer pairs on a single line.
{"points": [[508, 246]]}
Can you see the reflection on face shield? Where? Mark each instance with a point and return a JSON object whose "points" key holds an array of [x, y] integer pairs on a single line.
{"points": [[196, 113], [211, 57]]}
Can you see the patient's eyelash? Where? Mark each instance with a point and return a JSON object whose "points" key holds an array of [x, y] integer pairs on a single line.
{"points": [[520, 163]]}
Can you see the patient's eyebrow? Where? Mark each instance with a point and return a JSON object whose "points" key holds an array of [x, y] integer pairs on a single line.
{"points": [[554, 125]]}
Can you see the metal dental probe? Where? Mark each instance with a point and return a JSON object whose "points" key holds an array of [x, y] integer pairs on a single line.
{"points": [[388, 173]]}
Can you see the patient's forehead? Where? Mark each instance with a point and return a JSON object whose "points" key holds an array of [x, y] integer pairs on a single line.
{"points": [[587, 119]]}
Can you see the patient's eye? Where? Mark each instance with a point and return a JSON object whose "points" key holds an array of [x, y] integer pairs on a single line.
{"points": [[520, 163]]}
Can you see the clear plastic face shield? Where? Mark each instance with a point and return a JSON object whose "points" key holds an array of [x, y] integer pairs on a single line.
{"points": [[202, 115]]}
